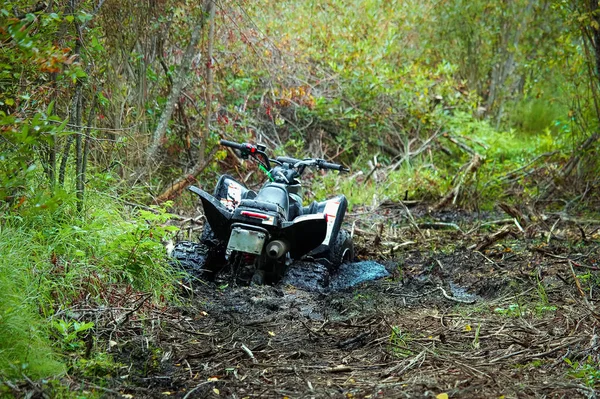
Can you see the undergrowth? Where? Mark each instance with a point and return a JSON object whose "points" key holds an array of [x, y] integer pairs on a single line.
{"points": [[52, 260], [428, 178]]}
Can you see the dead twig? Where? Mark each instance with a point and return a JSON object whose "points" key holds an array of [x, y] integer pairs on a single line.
{"points": [[338, 369], [249, 353], [439, 226], [453, 193], [403, 367], [412, 219], [577, 283], [445, 294]]}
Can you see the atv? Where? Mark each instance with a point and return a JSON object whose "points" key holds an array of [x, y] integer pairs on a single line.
{"points": [[253, 237]]}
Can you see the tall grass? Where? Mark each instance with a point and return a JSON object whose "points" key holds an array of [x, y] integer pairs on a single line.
{"points": [[24, 344], [46, 264]]}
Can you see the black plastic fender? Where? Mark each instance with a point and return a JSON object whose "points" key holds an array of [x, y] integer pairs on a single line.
{"points": [[217, 216], [305, 233], [335, 209]]}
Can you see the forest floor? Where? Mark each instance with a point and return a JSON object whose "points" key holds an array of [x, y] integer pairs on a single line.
{"points": [[476, 306]]}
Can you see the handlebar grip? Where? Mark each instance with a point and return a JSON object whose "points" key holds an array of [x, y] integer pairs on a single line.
{"points": [[233, 144], [332, 166]]}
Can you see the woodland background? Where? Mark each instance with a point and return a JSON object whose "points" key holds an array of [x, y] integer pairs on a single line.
{"points": [[108, 109]]}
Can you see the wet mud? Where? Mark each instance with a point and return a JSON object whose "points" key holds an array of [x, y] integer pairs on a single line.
{"points": [[427, 319]]}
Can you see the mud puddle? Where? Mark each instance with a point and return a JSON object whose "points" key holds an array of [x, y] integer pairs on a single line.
{"points": [[314, 277]]}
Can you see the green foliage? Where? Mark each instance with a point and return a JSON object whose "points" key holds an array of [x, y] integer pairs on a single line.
{"points": [[69, 333], [420, 182], [587, 371], [522, 310], [399, 342], [24, 345], [56, 256]]}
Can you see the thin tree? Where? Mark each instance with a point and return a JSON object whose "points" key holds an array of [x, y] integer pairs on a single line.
{"points": [[209, 80], [178, 84]]}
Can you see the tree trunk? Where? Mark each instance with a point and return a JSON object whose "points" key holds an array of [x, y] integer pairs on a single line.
{"points": [[209, 80], [504, 68], [84, 156], [78, 156], [75, 105], [178, 84], [73, 122]]}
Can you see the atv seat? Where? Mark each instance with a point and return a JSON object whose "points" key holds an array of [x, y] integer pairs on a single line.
{"points": [[262, 206], [310, 209]]}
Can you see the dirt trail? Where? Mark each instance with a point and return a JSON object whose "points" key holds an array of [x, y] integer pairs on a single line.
{"points": [[508, 320]]}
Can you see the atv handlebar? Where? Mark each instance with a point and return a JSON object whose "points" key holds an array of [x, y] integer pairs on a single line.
{"points": [[258, 150], [333, 166], [319, 163], [235, 145]]}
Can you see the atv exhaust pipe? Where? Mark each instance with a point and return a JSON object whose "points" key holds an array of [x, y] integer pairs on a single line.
{"points": [[276, 249]]}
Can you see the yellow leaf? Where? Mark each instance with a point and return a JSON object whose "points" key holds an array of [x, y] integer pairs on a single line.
{"points": [[127, 396], [166, 393], [442, 396], [468, 327], [271, 333], [215, 390], [213, 379]]}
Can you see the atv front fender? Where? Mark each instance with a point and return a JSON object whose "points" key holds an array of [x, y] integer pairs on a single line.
{"points": [[217, 216]]}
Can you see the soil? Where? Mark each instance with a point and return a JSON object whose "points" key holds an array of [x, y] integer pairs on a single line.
{"points": [[461, 313]]}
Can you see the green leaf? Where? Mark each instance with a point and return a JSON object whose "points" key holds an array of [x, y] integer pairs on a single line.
{"points": [[50, 108], [69, 18], [9, 101]]}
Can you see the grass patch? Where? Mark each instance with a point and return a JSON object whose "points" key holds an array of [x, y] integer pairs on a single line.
{"points": [[53, 259]]}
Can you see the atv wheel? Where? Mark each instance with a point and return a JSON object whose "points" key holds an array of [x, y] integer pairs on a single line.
{"points": [[208, 236], [190, 256], [342, 250]]}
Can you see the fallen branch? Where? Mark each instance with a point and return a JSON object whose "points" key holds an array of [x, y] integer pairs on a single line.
{"points": [[571, 164], [452, 194], [403, 366], [513, 173], [181, 184], [493, 238], [439, 226], [462, 146], [338, 369], [515, 213]]}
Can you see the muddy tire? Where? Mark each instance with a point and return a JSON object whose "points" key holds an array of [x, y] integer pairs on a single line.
{"points": [[208, 236], [342, 250], [190, 256]]}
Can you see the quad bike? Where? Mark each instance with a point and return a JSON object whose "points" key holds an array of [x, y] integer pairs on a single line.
{"points": [[253, 237]]}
